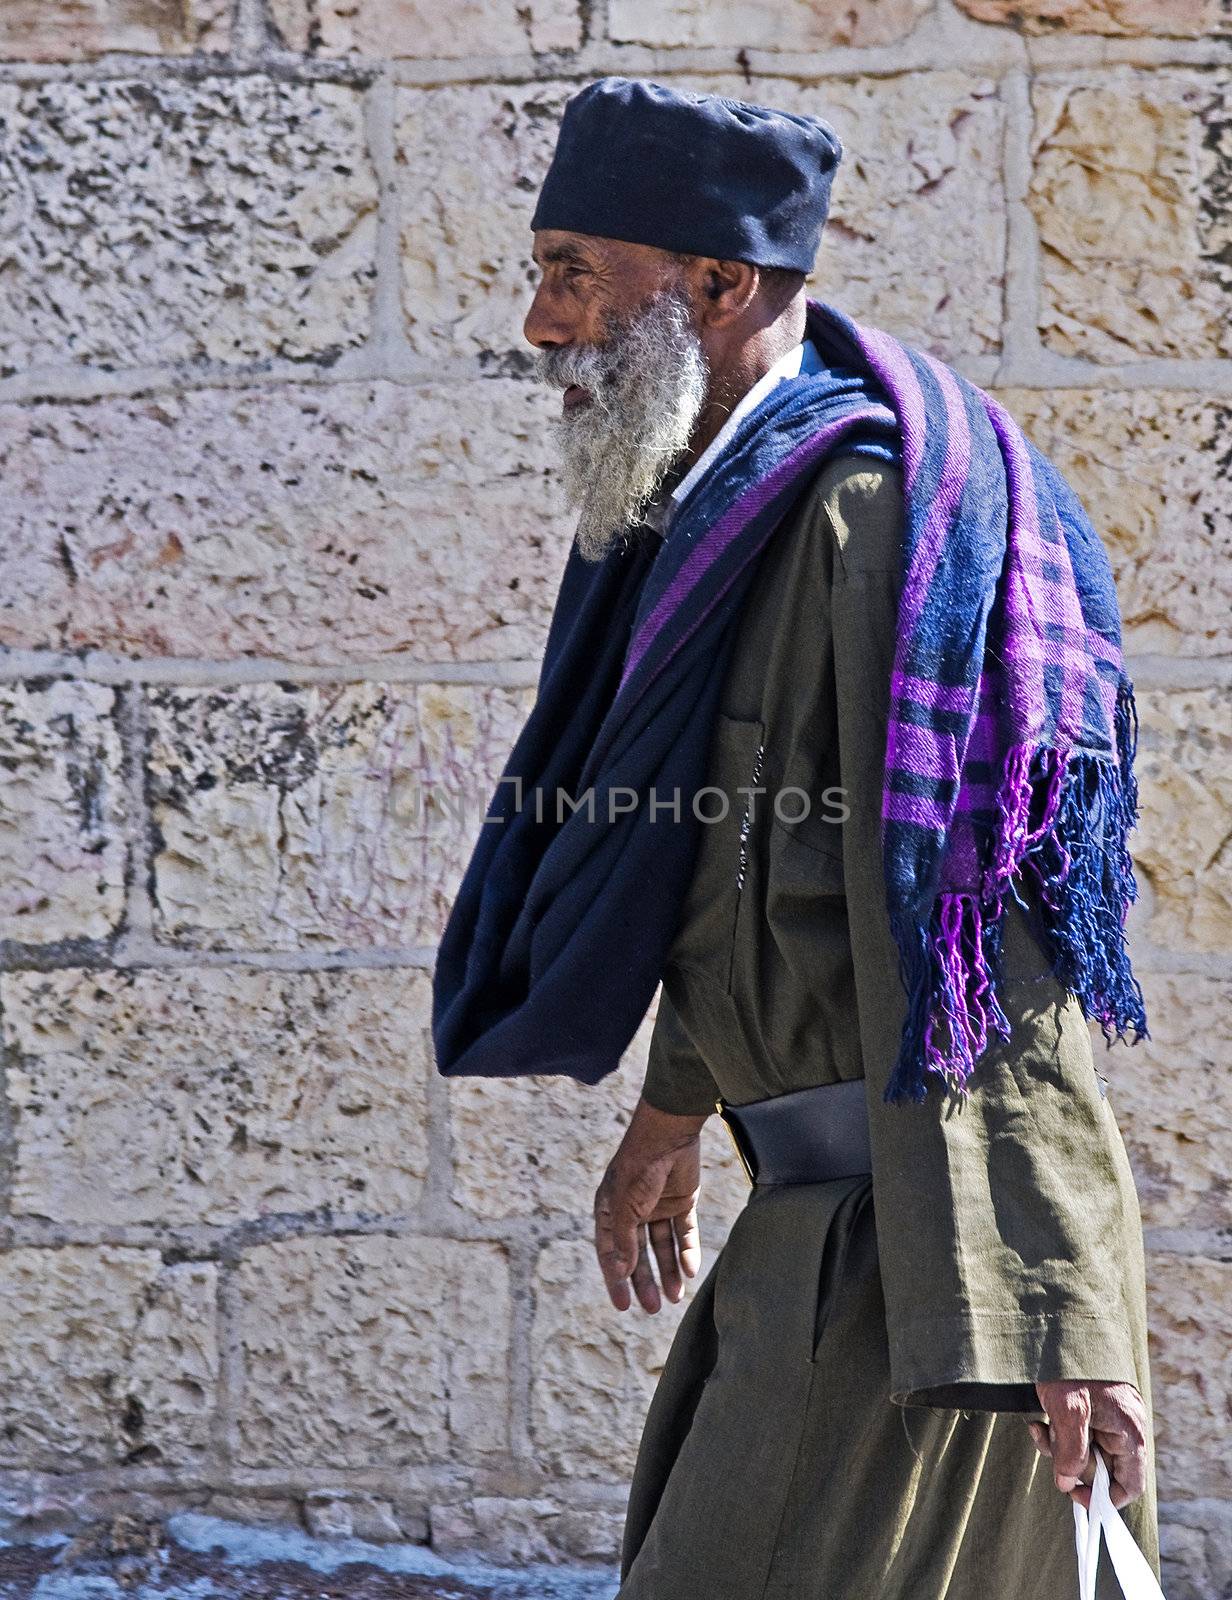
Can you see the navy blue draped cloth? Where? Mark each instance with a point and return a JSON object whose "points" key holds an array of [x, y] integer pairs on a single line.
{"points": [[563, 919]]}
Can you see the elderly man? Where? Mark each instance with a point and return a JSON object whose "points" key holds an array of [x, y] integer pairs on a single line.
{"points": [[833, 738]]}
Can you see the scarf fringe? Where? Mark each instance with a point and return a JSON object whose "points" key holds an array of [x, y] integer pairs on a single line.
{"points": [[1064, 819]]}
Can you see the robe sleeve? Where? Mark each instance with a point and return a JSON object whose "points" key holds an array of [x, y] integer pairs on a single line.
{"points": [[677, 1078], [1007, 1225]]}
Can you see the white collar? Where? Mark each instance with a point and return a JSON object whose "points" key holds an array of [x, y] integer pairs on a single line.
{"points": [[801, 361]]}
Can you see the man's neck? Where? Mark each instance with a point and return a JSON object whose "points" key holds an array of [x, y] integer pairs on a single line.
{"points": [[729, 386]]}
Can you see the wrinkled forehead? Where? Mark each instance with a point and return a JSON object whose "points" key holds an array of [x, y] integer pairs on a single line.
{"points": [[561, 247]]}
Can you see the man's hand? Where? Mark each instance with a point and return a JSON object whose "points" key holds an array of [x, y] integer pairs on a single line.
{"points": [[1082, 1415], [648, 1200]]}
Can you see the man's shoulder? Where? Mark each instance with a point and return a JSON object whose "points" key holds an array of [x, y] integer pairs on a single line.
{"points": [[856, 501], [855, 469]]}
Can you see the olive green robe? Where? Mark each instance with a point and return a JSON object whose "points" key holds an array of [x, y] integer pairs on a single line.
{"points": [[840, 1416]]}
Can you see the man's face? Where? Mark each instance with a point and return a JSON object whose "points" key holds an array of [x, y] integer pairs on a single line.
{"points": [[586, 284], [615, 329]]}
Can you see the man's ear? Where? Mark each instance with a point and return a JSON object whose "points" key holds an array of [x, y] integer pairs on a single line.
{"points": [[725, 290]]}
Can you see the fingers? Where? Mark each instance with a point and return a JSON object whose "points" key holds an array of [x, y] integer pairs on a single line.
{"points": [[624, 1256], [1070, 1437], [1082, 1494], [1043, 1443], [616, 1247], [688, 1242], [644, 1285], [663, 1240], [628, 1248], [1128, 1472], [1119, 1428], [1082, 1416]]}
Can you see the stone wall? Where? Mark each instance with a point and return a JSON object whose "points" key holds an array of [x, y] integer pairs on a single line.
{"points": [[279, 549]]}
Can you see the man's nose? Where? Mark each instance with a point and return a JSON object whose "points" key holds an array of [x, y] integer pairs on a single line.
{"points": [[544, 327]]}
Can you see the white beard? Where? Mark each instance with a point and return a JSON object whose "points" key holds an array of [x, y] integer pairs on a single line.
{"points": [[647, 384]]}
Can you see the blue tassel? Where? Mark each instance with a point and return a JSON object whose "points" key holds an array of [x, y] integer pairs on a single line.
{"points": [[1085, 879], [1088, 883]]}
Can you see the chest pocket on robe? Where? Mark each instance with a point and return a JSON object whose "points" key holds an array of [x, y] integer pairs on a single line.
{"points": [[706, 933], [793, 976], [803, 849]]}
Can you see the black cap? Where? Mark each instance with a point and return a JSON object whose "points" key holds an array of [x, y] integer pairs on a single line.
{"points": [[696, 173]]}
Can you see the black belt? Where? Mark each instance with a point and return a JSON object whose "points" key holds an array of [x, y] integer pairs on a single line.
{"points": [[808, 1136]]}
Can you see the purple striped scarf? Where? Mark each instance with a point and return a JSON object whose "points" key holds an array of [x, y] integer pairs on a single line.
{"points": [[1009, 754]]}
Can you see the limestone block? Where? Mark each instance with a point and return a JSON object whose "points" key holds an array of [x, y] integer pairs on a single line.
{"points": [[1153, 470], [470, 163], [540, 1145], [1185, 783], [1190, 1375], [255, 1507], [765, 24], [62, 811], [1130, 194], [1174, 1103], [298, 815], [519, 1532], [1195, 1547], [372, 1352], [223, 219], [915, 241], [915, 238], [595, 1368], [509, 1531], [173, 1365], [402, 29], [106, 1356], [536, 1145], [75, 30], [1176, 19], [341, 1514], [308, 523], [218, 1093]]}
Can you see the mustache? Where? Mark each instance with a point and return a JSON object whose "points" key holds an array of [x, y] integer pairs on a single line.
{"points": [[589, 366]]}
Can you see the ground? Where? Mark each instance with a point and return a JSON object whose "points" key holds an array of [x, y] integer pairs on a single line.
{"points": [[202, 1558]]}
